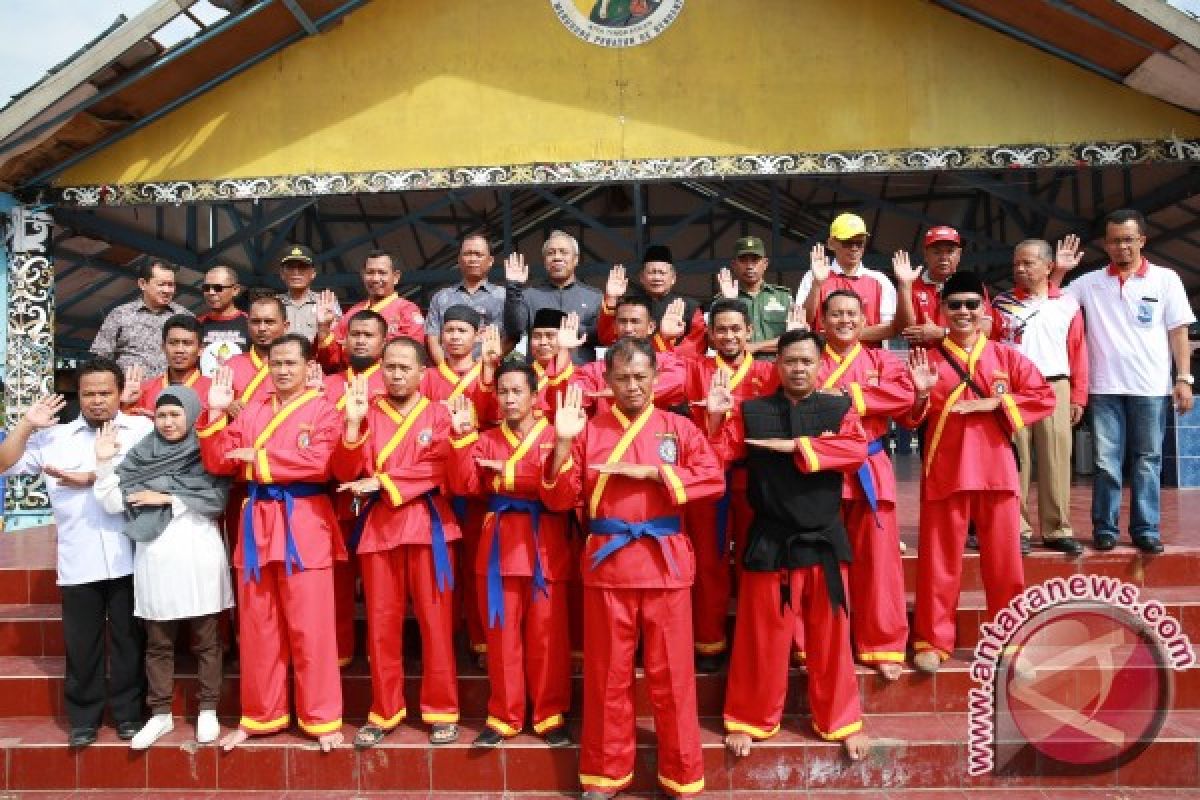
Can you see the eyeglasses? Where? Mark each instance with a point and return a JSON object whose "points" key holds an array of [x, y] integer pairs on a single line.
{"points": [[215, 287], [970, 305]]}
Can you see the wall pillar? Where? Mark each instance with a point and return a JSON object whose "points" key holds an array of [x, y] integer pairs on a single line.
{"points": [[28, 347]]}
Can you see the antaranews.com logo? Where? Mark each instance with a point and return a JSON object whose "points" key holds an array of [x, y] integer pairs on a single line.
{"points": [[1078, 668]]}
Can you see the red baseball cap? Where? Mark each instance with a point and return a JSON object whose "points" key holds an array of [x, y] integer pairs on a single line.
{"points": [[942, 233]]}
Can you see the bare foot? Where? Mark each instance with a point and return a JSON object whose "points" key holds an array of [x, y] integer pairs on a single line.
{"points": [[330, 741], [890, 670], [857, 745], [927, 661], [738, 744], [233, 739]]}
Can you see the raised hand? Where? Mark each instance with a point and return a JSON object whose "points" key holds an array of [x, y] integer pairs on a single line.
{"points": [[462, 415], [134, 375], [358, 400], [796, 320], [72, 480], [494, 464], [45, 410], [638, 472], [1068, 254], [515, 268], [489, 347], [569, 336], [106, 443], [720, 398], [673, 324], [314, 376], [903, 269], [924, 376], [727, 284], [148, 497], [327, 305], [569, 417], [616, 286], [220, 392], [818, 264]]}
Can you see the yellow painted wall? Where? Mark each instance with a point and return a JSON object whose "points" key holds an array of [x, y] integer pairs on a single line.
{"points": [[426, 83]]}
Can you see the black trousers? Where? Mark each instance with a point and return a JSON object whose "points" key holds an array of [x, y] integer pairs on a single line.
{"points": [[86, 608]]}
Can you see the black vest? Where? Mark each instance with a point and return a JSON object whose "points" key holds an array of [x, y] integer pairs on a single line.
{"points": [[797, 515]]}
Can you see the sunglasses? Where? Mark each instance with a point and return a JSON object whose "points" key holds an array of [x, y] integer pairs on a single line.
{"points": [[970, 305], [215, 287]]}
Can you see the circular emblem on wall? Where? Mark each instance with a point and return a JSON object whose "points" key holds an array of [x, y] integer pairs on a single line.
{"points": [[617, 23]]}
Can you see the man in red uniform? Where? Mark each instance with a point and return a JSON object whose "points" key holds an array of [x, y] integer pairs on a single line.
{"points": [[547, 358], [251, 380], [392, 455], [380, 276], [181, 345], [974, 395], [287, 545], [460, 374], [636, 467], [848, 242], [655, 282], [797, 444], [365, 337], [522, 563], [879, 387], [718, 527], [633, 317], [919, 315]]}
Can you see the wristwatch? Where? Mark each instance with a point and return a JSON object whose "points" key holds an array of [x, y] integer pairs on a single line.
{"points": [[1188, 379]]}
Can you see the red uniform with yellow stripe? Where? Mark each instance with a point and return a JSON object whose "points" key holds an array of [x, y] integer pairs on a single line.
{"points": [[251, 380], [691, 344], [970, 475], [668, 383], [346, 572], [403, 554], [285, 614], [718, 527], [754, 695], [641, 586], [441, 383], [403, 317], [528, 643], [880, 388], [153, 387]]}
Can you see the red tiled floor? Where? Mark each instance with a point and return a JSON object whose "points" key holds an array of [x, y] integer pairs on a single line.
{"points": [[465, 769], [112, 767], [50, 767], [308, 768], [530, 766], [185, 765], [388, 768], [252, 767]]}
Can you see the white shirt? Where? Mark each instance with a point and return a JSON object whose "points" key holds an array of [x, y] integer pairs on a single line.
{"points": [[91, 546], [1038, 327], [887, 292], [1128, 350]]}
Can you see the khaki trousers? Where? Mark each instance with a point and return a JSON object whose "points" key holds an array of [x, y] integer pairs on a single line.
{"points": [[1048, 442]]}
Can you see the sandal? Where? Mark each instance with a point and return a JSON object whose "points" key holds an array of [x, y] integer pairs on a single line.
{"points": [[444, 733], [368, 736]]}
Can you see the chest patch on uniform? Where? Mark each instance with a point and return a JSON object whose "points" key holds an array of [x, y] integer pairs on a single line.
{"points": [[668, 448], [774, 305], [304, 437], [1000, 383], [425, 437], [873, 378]]}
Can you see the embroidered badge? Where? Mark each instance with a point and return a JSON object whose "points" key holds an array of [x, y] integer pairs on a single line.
{"points": [[425, 437], [873, 378], [1000, 388], [668, 449], [303, 439]]}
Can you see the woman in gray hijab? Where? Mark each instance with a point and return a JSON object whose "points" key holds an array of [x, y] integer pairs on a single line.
{"points": [[180, 571]]}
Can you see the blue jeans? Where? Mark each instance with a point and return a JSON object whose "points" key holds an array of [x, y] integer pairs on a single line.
{"points": [[1135, 425]]}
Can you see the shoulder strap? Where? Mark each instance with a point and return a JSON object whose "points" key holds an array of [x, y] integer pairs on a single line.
{"points": [[962, 373]]}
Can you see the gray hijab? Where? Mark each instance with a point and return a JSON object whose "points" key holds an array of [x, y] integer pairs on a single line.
{"points": [[170, 467]]}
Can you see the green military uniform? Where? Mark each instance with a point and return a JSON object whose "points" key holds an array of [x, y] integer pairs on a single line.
{"points": [[769, 308]]}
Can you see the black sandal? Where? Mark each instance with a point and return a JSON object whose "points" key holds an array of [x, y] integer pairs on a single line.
{"points": [[368, 736]]}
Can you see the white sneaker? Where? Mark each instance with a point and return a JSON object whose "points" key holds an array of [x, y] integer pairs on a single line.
{"points": [[207, 727], [152, 731]]}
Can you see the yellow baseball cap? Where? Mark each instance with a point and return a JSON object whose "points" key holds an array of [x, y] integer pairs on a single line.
{"points": [[847, 226]]}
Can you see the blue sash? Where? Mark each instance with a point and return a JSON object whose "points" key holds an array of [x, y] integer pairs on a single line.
{"points": [[360, 524], [287, 492], [867, 482], [623, 533], [499, 504], [459, 506], [441, 554]]}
